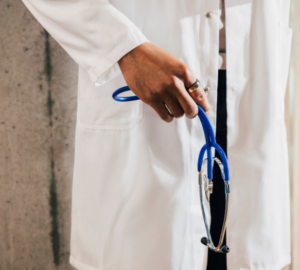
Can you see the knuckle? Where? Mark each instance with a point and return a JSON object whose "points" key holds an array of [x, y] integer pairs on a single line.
{"points": [[167, 118], [178, 84], [205, 107], [188, 73], [170, 82], [179, 115], [200, 95], [192, 111], [156, 96], [185, 71], [147, 98], [151, 97]]}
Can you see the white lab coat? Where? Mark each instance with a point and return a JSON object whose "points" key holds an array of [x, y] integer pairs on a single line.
{"points": [[135, 198]]}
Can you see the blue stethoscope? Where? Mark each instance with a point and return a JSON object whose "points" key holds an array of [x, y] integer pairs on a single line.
{"points": [[205, 179]]}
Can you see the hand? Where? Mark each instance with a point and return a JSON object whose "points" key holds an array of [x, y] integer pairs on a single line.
{"points": [[159, 79]]}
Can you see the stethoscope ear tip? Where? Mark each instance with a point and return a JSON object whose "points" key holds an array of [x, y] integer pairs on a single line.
{"points": [[225, 249], [204, 241]]}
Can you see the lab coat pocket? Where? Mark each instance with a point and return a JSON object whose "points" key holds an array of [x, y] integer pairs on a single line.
{"points": [[98, 110], [284, 51]]}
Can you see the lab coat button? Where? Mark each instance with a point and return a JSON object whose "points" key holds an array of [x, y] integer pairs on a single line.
{"points": [[206, 89], [208, 15]]}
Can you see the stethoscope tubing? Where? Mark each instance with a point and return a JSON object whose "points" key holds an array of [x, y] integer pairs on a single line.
{"points": [[208, 133], [207, 148]]}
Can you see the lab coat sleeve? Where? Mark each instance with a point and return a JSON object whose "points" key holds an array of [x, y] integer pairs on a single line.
{"points": [[93, 32]]}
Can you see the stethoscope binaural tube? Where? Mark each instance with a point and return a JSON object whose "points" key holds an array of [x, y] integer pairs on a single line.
{"points": [[204, 182]]}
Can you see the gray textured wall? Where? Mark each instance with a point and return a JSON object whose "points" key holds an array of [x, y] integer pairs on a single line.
{"points": [[38, 90]]}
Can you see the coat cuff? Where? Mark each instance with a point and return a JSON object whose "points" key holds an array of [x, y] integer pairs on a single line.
{"points": [[107, 68]]}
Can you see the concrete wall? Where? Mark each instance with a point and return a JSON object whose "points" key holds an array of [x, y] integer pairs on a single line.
{"points": [[38, 90]]}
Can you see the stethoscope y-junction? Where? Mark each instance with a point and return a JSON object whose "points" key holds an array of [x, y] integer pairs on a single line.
{"points": [[205, 169]]}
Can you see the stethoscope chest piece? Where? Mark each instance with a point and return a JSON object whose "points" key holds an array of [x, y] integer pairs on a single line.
{"points": [[206, 184]]}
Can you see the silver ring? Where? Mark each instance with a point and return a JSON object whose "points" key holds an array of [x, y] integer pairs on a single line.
{"points": [[194, 87]]}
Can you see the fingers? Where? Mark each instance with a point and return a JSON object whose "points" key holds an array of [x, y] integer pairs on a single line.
{"points": [[198, 95], [174, 106], [162, 111], [159, 79], [187, 103], [175, 97], [179, 102], [200, 98]]}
